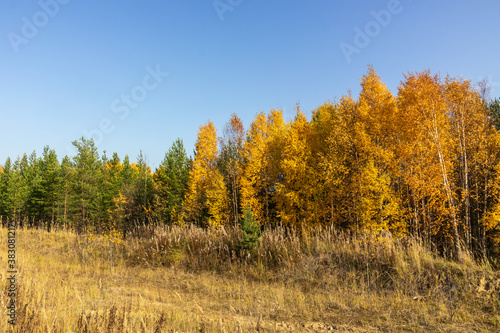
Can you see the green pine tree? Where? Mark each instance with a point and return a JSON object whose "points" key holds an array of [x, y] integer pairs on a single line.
{"points": [[6, 202], [251, 232], [170, 181], [51, 177], [63, 191], [494, 112], [85, 181]]}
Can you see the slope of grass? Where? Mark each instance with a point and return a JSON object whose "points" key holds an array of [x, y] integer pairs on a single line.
{"points": [[172, 279]]}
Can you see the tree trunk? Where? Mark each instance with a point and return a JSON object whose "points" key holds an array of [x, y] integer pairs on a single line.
{"points": [[485, 208], [449, 195]]}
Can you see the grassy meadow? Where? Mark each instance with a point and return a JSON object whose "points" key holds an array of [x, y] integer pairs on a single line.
{"points": [[174, 279]]}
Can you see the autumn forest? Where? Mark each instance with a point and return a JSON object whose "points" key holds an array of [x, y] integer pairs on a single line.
{"points": [[422, 163]]}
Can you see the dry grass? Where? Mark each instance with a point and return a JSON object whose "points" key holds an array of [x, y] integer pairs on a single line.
{"points": [[171, 279]]}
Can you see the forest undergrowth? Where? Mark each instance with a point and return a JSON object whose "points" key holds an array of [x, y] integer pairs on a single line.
{"points": [[191, 279]]}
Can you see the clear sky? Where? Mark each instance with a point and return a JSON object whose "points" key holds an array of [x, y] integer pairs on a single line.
{"points": [[86, 67]]}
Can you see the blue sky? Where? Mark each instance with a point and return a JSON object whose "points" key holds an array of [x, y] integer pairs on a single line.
{"points": [[75, 67]]}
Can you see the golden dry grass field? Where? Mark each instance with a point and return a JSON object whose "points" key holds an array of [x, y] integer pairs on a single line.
{"points": [[192, 280]]}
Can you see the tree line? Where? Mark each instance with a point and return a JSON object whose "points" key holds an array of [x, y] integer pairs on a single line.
{"points": [[424, 162], [89, 190]]}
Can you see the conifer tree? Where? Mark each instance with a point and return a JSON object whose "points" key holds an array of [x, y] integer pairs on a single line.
{"points": [[85, 180], [143, 198], [251, 232], [170, 182], [111, 187], [65, 173], [19, 188], [493, 108], [50, 182], [6, 202]]}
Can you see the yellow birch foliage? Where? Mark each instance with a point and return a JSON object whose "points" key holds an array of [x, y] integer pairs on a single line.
{"points": [[216, 201], [379, 207], [377, 115], [206, 197], [122, 207], [261, 168], [491, 221], [489, 171], [252, 180], [294, 192], [332, 145], [352, 150], [427, 152]]}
